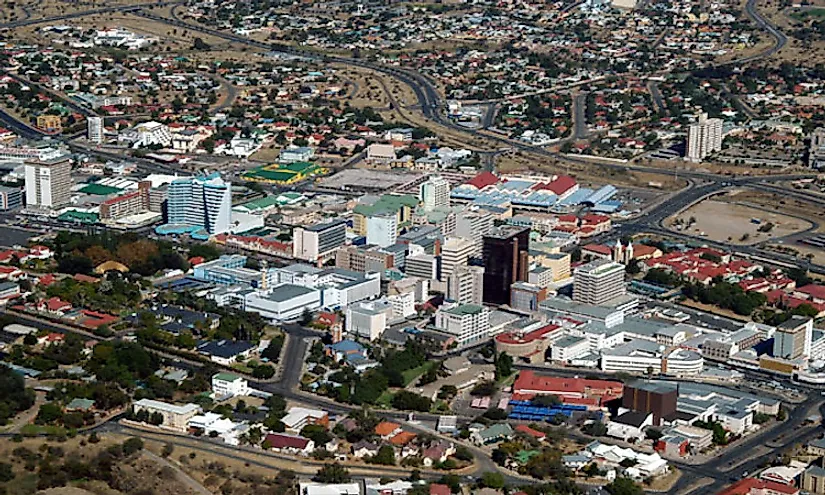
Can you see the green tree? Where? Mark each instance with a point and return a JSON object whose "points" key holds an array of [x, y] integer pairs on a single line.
{"points": [[332, 473], [624, 486], [49, 413], [492, 480], [504, 366], [385, 456]]}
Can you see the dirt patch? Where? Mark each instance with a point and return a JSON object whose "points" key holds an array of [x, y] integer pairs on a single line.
{"points": [[736, 223]]}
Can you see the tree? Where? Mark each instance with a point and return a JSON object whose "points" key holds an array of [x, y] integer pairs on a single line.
{"points": [[504, 366], [624, 486], [653, 434], [167, 450], [596, 429], [385, 456], [30, 339], [306, 317], [49, 413], [132, 445], [317, 434], [492, 480], [6, 472], [332, 473], [546, 400], [264, 372]]}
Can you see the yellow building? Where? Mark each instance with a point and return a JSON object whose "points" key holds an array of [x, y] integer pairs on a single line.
{"points": [[50, 123]]}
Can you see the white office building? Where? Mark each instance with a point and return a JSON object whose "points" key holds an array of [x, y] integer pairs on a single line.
{"points": [[283, 302], [382, 230], [228, 384], [422, 265], [468, 323], [454, 252], [435, 193], [318, 241], [598, 282], [704, 138], [48, 183], [474, 225], [466, 285], [203, 201], [642, 356], [368, 319], [403, 305], [94, 129], [150, 134]]}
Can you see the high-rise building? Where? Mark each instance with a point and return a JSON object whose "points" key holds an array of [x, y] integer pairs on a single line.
{"points": [[11, 198], [94, 129], [382, 230], [704, 137], [598, 282], [792, 339], [435, 193], [651, 397], [48, 182], [202, 201], [468, 323], [455, 251], [127, 204], [465, 285], [526, 297], [474, 225], [422, 265], [506, 257], [816, 151], [318, 241]]}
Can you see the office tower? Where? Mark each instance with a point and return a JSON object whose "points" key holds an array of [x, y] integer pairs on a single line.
{"points": [[456, 251], [202, 201], [11, 198], [816, 151], [131, 203], [704, 137], [474, 225], [526, 297], [506, 257], [435, 193], [48, 182], [598, 282], [422, 265], [318, 241], [792, 339], [468, 323], [382, 230], [465, 285], [652, 397], [94, 129]]}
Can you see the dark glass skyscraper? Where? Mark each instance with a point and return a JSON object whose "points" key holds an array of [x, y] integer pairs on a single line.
{"points": [[506, 260]]}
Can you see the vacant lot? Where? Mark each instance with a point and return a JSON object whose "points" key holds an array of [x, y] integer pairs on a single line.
{"points": [[731, 222]]}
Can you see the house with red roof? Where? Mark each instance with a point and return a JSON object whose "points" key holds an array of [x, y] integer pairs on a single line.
{"points": [[52, 338], [54, 306], [538, 435], [10, 273], [289, 444]]}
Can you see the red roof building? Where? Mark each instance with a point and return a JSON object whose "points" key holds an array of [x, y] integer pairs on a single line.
{"points": [[483, 180], [528, 383], [284, 441], [753, 486]]}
